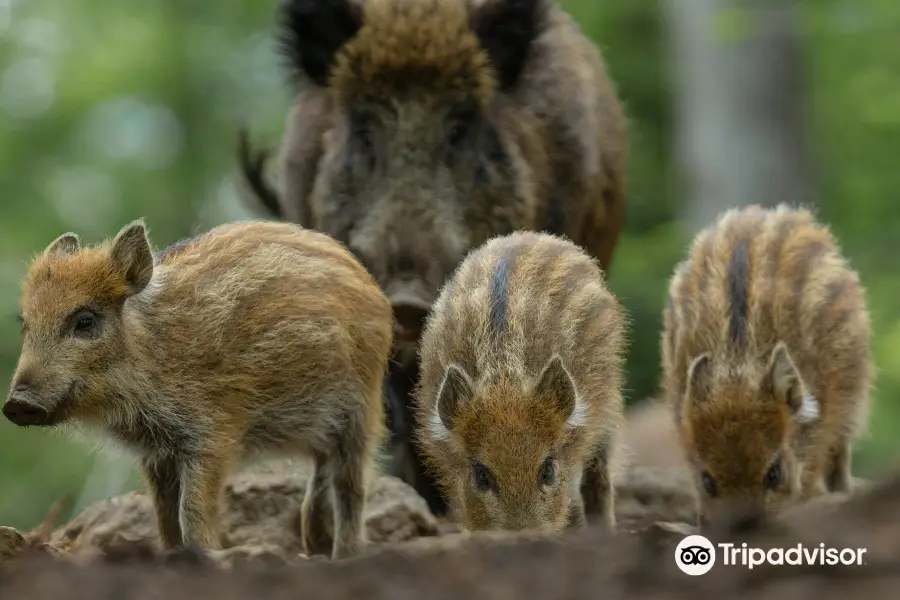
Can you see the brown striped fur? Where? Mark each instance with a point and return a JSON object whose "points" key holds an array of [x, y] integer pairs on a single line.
{"points": [[253, 337], [766, 360], [521, 378], [422, 129]]}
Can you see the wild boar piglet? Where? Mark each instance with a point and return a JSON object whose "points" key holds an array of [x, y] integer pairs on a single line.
{"points": [[521, 382], [766, 362], [253, 337]]}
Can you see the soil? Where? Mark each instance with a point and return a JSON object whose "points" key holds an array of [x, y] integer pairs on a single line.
{"points": [[110, 550]]}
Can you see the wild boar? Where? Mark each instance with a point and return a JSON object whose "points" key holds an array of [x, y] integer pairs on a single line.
{"points": [[520, 391], [765, 355], [252, 337], [422, 129]]}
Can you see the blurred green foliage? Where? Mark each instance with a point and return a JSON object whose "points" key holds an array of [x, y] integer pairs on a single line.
{"points": [[110, 111]]}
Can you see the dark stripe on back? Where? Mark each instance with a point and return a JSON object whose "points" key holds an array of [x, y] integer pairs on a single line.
{"points": [[738, 275], [500, 292]]}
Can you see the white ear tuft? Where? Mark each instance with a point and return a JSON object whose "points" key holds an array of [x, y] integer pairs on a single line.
{"points": [[436, 426], [578, 418], [809, 410]]}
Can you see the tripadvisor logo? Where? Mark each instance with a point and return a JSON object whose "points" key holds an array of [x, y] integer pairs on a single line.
{"points": [[696, 555]]}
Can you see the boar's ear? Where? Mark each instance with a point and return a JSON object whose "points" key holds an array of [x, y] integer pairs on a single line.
{"points": [[312, 31], [67, 243], [556, 382], [506, 30], [787, 386], [132, 257], [455, 391], [699, 377]]}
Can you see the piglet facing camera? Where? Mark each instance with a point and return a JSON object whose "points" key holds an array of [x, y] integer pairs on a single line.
{"points": [[520, 392], [766, 360]]}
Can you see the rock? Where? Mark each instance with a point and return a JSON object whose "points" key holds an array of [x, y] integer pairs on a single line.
{"points": [[12, 543], [261, 509], [650, 494]]}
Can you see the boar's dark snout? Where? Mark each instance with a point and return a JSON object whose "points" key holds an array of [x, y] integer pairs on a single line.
{"points": [[409, 320], [411, 305]]}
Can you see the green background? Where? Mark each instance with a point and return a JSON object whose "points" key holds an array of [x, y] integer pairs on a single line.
{"points": [[111, 111]]}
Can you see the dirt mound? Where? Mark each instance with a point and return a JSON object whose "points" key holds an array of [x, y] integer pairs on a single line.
{"points": [[262, 506], [585, 564], [261, 510], [111, 549]]}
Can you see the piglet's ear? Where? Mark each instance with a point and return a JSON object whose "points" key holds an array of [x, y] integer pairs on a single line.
{"points": [[132, 257], [787, 386], [455, 391], [506, 30], [310, 33], [699, 379], [555, 382], [67, 243]]}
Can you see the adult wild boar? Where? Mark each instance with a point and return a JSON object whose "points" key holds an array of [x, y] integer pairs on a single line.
{"points": [[422, 129]]}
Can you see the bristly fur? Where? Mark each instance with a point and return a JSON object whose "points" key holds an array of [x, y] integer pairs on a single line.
{"points": [[427, 44], [420, 130], [546, 386], [766, 359], [253, 337]]}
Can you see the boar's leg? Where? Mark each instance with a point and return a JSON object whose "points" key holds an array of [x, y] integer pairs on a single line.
{"points": [[164, 480], [597, 488], [347, 465], [316, 517], [407, 463], [839, 478], [202, 479]]}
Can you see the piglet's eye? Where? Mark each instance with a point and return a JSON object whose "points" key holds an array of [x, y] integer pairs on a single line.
{"points": [[773, 476], [548, 472], [484, 480], [85, 322]]}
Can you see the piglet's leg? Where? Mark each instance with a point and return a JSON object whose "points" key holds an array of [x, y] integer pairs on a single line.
{"points": [[202, 479], [164, 481], [597, 488], [316, 517], [348, 465], [838, 476]]}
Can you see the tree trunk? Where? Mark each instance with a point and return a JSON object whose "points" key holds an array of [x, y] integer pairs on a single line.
{"points": [[740, 105]]}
